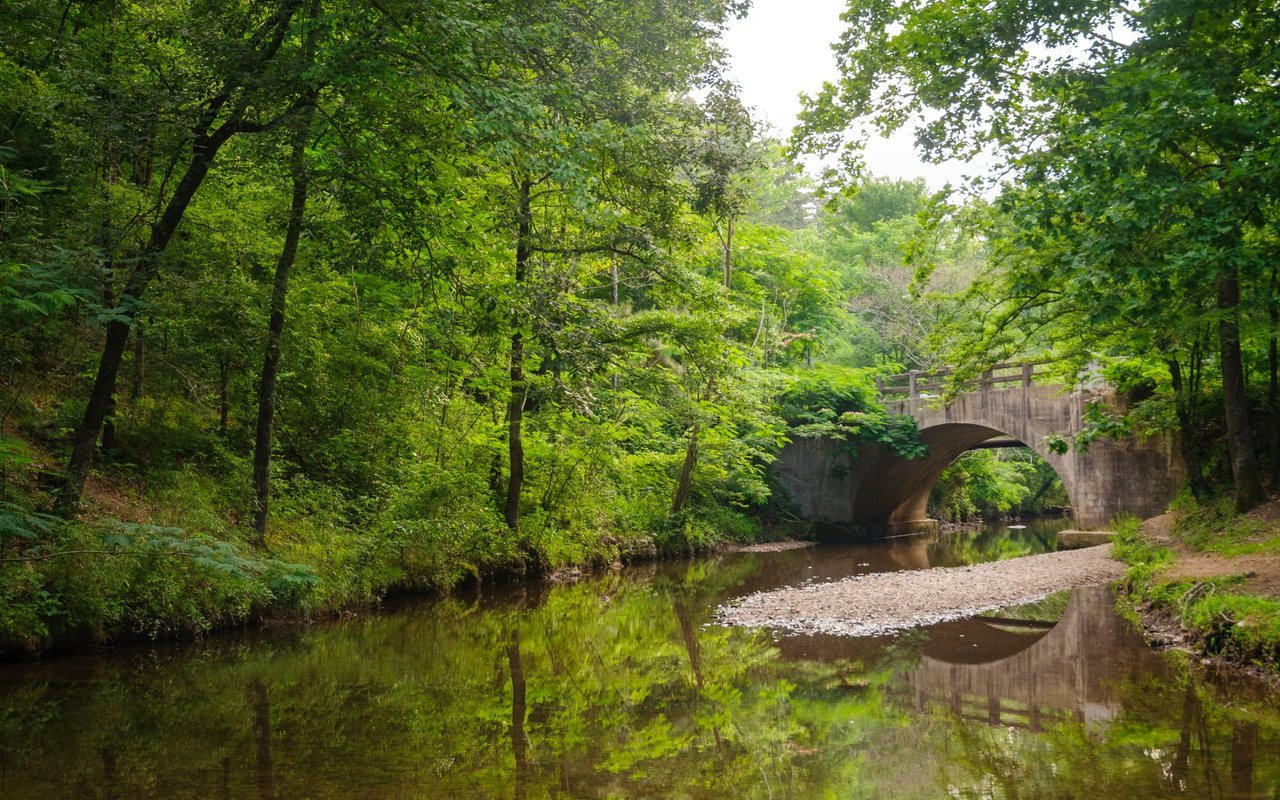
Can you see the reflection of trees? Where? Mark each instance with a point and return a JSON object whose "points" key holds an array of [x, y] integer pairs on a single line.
{"points": [[960, 549], [1244, 742], [599, 689], [1182, 756], [519, 708], [1173, 741], [261, 705]]}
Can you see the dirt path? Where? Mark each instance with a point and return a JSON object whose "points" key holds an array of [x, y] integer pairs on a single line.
{"points": [[867, 605], [1261, 570]]}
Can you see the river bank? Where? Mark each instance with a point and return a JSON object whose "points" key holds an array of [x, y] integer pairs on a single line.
{"points": [[1207, 582], [1198, 580], [164, 557]]}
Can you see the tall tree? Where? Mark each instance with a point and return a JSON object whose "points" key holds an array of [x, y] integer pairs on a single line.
{"points": [[723, 160], [301, 183], [580, 118], [242, 85]]}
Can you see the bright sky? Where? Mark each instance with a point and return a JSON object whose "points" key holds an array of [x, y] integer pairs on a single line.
{"points": [[783, 48]]}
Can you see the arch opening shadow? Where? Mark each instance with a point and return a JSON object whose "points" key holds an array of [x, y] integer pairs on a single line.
{"points": [[892, 495], [877, 493]]}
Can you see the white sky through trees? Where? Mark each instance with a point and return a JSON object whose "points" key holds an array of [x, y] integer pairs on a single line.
{"points": [[782, 48]]}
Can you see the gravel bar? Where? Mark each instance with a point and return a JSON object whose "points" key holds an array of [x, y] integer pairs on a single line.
{"points": [[883, 602]]}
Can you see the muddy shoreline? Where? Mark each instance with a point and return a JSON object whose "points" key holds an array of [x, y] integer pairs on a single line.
{"points": [[1162, 630]]}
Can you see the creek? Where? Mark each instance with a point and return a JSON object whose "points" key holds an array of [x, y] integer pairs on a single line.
{"points": [[618, 685]]}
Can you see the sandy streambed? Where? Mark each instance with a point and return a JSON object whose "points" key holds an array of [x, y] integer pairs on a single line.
{"points": [[867, 605]]}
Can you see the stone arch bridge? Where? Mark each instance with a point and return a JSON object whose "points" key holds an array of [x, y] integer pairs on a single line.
{"points": [[878, 493]]}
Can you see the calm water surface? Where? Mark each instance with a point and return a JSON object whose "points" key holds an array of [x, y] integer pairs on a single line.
{"points": [[617, 686]]}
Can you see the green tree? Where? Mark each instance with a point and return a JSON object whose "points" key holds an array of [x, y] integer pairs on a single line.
{"points": [[225, 82], [1138, 172], [301, 184], [574, 119]]}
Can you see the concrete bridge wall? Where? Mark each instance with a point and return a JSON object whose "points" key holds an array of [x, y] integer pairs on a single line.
{"points": [[877, 492]]}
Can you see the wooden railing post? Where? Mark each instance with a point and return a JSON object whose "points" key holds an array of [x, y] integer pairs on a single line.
{"points": [[915, 385]]}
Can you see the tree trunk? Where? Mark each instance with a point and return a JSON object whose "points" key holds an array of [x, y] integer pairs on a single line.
{"points": [[1044, 487], [1190, 720], [110, 773], [104, 383], [275, 325], [262, 730], [139, 363], [204, 149], [1273, 385], [1184, 407], [1244, 743], [224, 396], [515, 405], [109, 426], [519, 709], [1244, 460], [685, 484], [85, 439], [689, 632], [726, 263]]}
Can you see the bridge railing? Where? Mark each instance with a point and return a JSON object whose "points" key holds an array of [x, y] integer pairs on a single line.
{"points": [[920, 383]]}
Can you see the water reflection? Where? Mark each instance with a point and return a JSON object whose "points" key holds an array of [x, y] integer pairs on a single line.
{"points": [[618, 687], [261, 705], [1015, 678]]}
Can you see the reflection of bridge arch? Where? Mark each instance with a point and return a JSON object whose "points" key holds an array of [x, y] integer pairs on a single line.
{"points": [[879, 492], [1072, 669]]}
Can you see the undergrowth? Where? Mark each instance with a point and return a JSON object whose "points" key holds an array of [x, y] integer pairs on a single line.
{"points": [[192, 566], [1216, 528], [1220, 618]]}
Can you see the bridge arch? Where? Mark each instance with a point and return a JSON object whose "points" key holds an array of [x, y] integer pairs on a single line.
{"points": [[894, 491]]}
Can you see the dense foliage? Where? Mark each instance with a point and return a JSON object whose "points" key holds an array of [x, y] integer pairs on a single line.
{"points": [[308, 300], [1134, 213]]}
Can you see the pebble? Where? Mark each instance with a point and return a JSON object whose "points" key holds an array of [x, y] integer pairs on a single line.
{"points": [[883, 602]]}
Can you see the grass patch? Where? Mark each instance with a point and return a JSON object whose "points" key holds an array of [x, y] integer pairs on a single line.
{"points": [[1270, 545], [1144, 558], [1047, 609], [1220, 618], [1216, 528]]}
